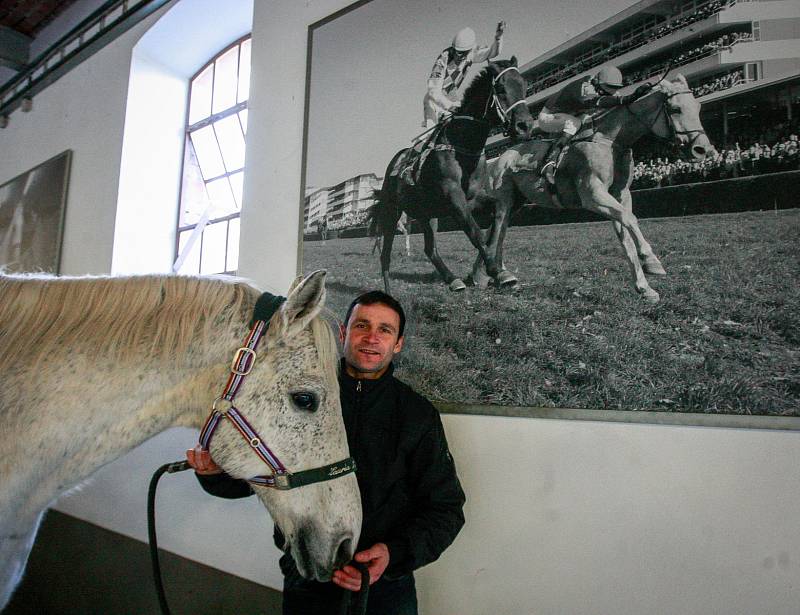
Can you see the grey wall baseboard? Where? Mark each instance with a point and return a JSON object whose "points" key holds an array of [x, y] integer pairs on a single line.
{"points": [[77, 568]]}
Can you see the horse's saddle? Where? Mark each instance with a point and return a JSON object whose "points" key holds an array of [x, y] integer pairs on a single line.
{"points": [[408, 165]]}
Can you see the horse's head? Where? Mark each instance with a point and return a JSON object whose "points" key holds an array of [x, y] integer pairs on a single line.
{"points": [[508, 92], [291, 399], [679, 118]]}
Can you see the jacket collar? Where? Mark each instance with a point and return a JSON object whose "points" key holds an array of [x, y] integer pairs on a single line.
{"points": [[347, 382]]}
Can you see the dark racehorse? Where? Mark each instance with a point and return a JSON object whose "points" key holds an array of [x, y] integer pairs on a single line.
{"points": [[596, 173], [453, 172]]}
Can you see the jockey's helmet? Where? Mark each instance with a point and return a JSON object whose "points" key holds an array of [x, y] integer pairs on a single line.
{"points": [[609, 77], [464, 40]]}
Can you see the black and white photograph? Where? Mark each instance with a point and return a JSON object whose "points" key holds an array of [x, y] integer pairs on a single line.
{"points": [[32, 215], [584, 206]]}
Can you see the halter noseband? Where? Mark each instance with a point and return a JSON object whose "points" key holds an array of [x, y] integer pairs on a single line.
{"points": [[242, 365]]}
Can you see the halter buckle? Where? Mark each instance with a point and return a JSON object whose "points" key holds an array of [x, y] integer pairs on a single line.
{"points": [[238, 357]]}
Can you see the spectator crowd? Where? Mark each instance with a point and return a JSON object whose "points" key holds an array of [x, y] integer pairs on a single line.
{"points": [[720, 83], [735, 161], [701, 51], [623, 46]]}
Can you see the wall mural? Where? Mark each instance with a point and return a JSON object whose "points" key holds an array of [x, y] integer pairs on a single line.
{"points": [[562, 301], [32, 217]]}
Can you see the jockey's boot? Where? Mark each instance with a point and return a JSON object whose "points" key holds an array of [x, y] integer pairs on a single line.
{"points": [[549, 166]]}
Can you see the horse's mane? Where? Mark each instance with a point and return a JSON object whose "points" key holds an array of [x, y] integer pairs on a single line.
{"points": [[41, 314], [479, 83], [677, 83]]}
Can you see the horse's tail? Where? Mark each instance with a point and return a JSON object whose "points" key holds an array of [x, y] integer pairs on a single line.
{"points": [[374, 216], [379, 214]]}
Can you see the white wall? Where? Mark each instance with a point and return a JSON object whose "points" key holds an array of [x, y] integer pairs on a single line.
{"points": [[563, 516], [571, 517], [85, 112]]}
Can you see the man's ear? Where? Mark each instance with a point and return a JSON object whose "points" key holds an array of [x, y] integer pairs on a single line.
{"points": [[342, 332], [399, 345]]}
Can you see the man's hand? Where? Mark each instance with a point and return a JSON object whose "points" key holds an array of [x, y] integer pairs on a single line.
{"points": [[376, 558], [501, 26], [200, 459], [642, 90]]}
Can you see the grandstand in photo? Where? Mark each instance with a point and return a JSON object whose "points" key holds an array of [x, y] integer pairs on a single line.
{"points": [[741, 59]]}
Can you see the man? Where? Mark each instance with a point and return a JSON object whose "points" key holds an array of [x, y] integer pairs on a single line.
{"points": [[565, 111], [411, 498], [450, 69]]}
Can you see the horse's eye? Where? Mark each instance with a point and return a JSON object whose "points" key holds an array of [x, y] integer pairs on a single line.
{"points": [[673, 110], [305, 401]]}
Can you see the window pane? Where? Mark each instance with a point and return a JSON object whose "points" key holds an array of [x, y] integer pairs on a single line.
{"points": [[225, 77], [194, 198], [213, 257], [191, 264], [236, 184], [243, 119], [244, 72], [233, 245], [222, 203], [200, 106], [231, 142], [205, 145]]}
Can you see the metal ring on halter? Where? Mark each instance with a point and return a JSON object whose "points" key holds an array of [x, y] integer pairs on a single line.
{"points": [[223, 412], [238, 357], [255, 442]]}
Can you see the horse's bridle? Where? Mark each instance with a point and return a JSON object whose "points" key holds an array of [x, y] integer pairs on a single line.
{"points": [[242, 365], [670, 123], [494, 102]]}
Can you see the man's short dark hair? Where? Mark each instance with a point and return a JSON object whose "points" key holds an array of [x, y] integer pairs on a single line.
{"points": [[378, 296]]}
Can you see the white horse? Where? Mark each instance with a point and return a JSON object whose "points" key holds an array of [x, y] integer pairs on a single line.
{"points": [[92, 367]]}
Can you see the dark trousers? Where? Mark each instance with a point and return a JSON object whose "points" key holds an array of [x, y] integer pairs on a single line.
{"points": [[395, 597]]}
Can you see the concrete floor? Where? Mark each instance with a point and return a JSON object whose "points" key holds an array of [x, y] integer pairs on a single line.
{"points": [[77, 568]]}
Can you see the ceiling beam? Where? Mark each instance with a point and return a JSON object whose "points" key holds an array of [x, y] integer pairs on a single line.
{"points": [[14, 48]]}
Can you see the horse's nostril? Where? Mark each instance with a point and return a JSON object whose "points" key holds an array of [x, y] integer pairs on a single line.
{"points": [[699, 151], [344, 553]]}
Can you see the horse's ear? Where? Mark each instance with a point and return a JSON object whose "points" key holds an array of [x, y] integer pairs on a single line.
{"points": [[304, 302], [513, 60]]}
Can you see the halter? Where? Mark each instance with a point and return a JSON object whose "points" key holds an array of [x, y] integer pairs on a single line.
{"points": [[674, 132], [242, 365]]}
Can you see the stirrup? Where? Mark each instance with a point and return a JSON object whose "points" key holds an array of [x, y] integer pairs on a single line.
{"points": [[548, 171]]}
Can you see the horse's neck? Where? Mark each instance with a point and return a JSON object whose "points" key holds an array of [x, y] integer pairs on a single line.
{"points": [[623, 125], [477, 105]]}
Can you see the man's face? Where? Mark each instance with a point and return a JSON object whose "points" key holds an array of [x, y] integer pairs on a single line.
{"points": [[370, 339]]}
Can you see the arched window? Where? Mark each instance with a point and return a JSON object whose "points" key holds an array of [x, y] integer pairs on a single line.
{"points": [[213, 164]]}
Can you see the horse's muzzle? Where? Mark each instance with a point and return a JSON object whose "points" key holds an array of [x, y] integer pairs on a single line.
{"points": [[699, 152], [523, 129]]}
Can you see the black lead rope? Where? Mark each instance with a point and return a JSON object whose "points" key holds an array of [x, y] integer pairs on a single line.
{"points": [[355, 603], [348, 605], [171, 468]]}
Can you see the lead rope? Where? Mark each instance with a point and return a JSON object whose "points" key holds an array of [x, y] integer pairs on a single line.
{"points": [[171, 468], [352, 603], [355, 603]]}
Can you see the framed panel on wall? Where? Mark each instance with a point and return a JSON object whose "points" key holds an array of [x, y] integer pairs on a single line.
{"points": [[565, 327], [32, 207]]}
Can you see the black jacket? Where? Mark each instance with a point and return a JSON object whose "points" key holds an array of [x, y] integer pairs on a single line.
{"points": [[410, 494]]}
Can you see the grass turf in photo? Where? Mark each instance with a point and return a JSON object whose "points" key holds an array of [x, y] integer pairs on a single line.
{"points": [[574, 333]]}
